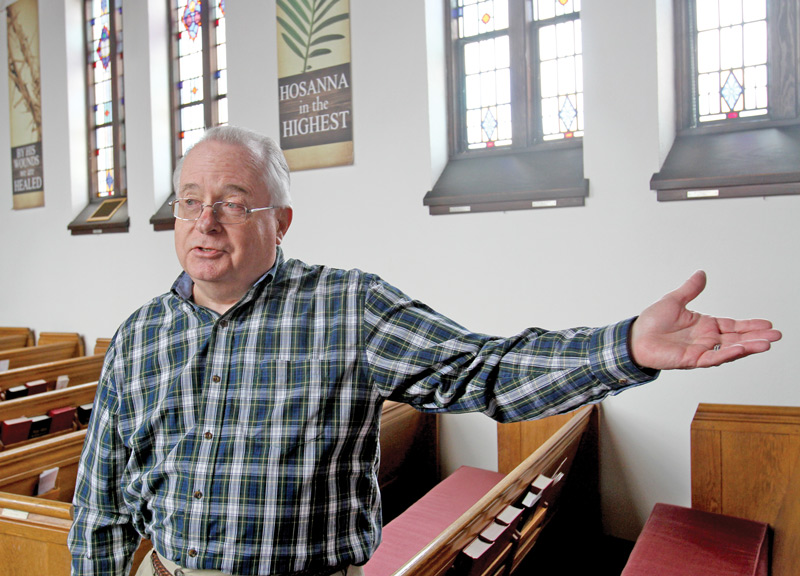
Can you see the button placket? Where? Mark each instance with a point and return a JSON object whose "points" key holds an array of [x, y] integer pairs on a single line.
{"points": [[210, 421]]}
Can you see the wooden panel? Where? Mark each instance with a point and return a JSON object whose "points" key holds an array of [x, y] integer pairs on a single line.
{"points": [[409, 456], [746, 463], [706, 466], [518, 440]]}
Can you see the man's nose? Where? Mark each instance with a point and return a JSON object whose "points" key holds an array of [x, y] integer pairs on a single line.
{"points": [[207, 221]]}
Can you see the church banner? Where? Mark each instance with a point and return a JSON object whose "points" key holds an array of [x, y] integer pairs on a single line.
{"points": [[314, 83], [25, 103]]}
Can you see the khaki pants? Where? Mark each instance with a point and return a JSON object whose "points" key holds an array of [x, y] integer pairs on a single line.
{"points": [[146, 569]]}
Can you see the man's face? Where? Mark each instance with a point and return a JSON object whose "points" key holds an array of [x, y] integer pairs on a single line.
{"points": [[226, 259]]}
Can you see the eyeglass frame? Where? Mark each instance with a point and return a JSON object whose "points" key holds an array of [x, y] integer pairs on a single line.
{"points": [[247, 211]]}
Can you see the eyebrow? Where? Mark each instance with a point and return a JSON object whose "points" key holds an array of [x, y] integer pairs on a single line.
{"points": [[228, 189]]}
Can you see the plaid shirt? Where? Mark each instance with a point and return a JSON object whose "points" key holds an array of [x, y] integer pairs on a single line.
{"points": [[248, 442]]}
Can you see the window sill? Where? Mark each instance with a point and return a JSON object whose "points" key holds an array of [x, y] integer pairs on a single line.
{"points": [[117, 222], [510, 181], [163, 219], [760, 162]]}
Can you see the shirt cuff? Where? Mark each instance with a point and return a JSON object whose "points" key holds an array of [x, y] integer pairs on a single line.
{"points": [[611, 359]]}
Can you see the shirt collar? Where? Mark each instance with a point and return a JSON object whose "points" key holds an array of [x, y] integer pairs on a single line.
{"points": [[184, 284]]}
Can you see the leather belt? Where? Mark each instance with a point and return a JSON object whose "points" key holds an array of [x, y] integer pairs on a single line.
{"points": [[160, 570]]}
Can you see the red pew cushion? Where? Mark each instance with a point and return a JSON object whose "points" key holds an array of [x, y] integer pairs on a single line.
{"points": [[424, 520], [678, 541]]}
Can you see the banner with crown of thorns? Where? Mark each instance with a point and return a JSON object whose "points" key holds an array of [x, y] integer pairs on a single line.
{"points": [[25, 103]]}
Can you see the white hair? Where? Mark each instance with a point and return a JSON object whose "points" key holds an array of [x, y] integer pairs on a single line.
{"points": [[265, 153]]}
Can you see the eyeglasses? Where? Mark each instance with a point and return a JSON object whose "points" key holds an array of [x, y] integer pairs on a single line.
{"points": [[224, 212]]}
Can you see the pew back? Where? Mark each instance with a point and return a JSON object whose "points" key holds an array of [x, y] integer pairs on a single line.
{"points": [[746, 463], [41, 403], [11, 342], [26, 333], [52, 346], [34, 535], [80, 371], [21, 466]]}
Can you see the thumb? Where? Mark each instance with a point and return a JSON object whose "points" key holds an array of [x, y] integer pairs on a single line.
{"points": [[690, 289]]}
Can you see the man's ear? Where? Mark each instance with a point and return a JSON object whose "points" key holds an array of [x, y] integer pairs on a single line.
{"points": [[284, 217]]}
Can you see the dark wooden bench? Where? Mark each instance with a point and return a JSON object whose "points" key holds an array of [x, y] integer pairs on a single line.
{"points": [[483, 522]]}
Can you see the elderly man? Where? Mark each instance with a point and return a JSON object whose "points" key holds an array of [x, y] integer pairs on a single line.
{"points": [[236, 420]]}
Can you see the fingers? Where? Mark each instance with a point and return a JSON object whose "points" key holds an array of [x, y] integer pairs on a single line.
{"points": [[729, 353], [751, 329]]}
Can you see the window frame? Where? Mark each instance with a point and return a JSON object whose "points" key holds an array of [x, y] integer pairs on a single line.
{"points": [[747, 157], [516, 177], [88, 221]]}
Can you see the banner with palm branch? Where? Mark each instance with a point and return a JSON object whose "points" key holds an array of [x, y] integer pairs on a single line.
{"points": [[314, 82]]}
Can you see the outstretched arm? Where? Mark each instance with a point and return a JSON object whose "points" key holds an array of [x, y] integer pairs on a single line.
{"points": [[668, 336]]}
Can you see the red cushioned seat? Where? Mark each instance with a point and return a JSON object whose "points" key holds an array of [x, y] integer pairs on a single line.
{"points": [[424, 520], [678, 541]]}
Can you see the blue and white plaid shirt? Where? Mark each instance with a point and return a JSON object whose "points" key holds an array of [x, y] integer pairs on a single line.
{"points": [[248, 442]]}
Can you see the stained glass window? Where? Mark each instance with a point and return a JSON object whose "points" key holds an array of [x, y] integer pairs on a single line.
{"points": [[200, 76], [486, 62], [560, 56], [493, 44], [106, 98], [731, 49]]}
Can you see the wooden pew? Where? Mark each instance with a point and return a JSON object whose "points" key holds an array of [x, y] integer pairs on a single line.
{"points": [[495, 534], [80, 371], [25, 335], [20, 466], [34, 535], [746, 463], [11, 342], [37, 404], [44, 528], [52, 346]]}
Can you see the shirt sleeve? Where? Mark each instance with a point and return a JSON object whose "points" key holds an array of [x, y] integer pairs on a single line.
{"points": [[102, 539], [420, 357]]}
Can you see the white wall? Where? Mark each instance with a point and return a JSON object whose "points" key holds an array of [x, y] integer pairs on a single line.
{"points": [[493, 272]]}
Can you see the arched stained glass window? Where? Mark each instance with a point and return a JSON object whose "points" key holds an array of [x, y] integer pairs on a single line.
{"points": [[200, 84], [106, 98]]}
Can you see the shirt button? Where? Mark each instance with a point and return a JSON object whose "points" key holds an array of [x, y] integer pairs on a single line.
{"points": [[208, 435], [216, 379], [198, 494], [192, 552], [223, 324], [623, 381]]}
